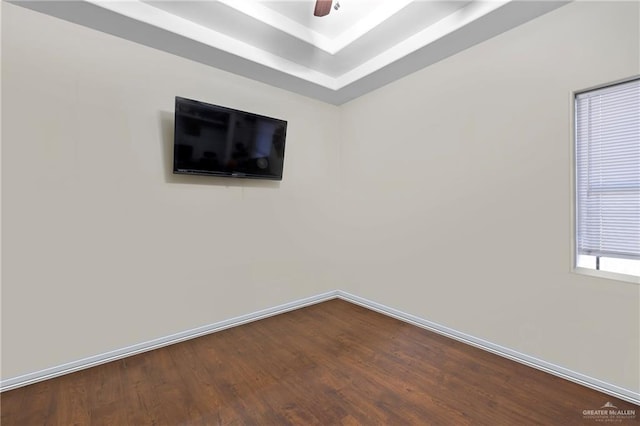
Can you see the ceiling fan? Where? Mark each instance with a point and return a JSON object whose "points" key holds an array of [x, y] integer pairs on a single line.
{"points": [[323, 7]]}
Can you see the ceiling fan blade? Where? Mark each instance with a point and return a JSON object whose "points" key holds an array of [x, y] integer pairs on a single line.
{"points": [[323, 7]]}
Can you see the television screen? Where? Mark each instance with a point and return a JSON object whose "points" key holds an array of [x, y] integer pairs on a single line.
{"points": [[219, 141]]}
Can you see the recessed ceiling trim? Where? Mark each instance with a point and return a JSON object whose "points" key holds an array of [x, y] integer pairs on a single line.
{"points": [[280, 22], [255, 10], [143, 12], [251, 48], [159, 18], [451, 23], [367, 23]]}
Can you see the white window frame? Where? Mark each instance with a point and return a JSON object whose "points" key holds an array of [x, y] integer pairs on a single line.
{"points": [[573, 180]]}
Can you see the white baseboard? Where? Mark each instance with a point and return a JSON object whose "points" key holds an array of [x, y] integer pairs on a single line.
{"points": [[49, 373], [547, 367], [92, 361]]}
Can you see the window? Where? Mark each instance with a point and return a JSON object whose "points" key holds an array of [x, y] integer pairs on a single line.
{"points": [[607, 143]]}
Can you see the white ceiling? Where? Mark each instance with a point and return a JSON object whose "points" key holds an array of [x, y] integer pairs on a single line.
{"points": [[359, 47]]}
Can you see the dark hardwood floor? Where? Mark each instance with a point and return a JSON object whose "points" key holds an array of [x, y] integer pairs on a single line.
{"points": [[328, 364]]}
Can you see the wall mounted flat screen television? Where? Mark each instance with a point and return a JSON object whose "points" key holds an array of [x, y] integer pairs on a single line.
{"points": [[218, 141]]}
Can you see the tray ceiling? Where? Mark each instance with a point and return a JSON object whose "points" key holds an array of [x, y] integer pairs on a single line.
{"points": [[359, 47]]}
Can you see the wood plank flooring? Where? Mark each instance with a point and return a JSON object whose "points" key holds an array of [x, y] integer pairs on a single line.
{"points": [[334, 363]]}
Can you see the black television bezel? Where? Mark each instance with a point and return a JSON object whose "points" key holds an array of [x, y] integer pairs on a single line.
{"points": [[239, 175]]}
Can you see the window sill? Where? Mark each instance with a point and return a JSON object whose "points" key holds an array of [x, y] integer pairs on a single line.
{"points": [[607, 275]]}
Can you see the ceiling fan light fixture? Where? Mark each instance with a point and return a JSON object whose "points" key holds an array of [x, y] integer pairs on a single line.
{"points": [[323, 7]]}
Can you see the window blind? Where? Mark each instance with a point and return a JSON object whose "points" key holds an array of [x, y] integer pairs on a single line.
{"points": [[608, 171]]}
